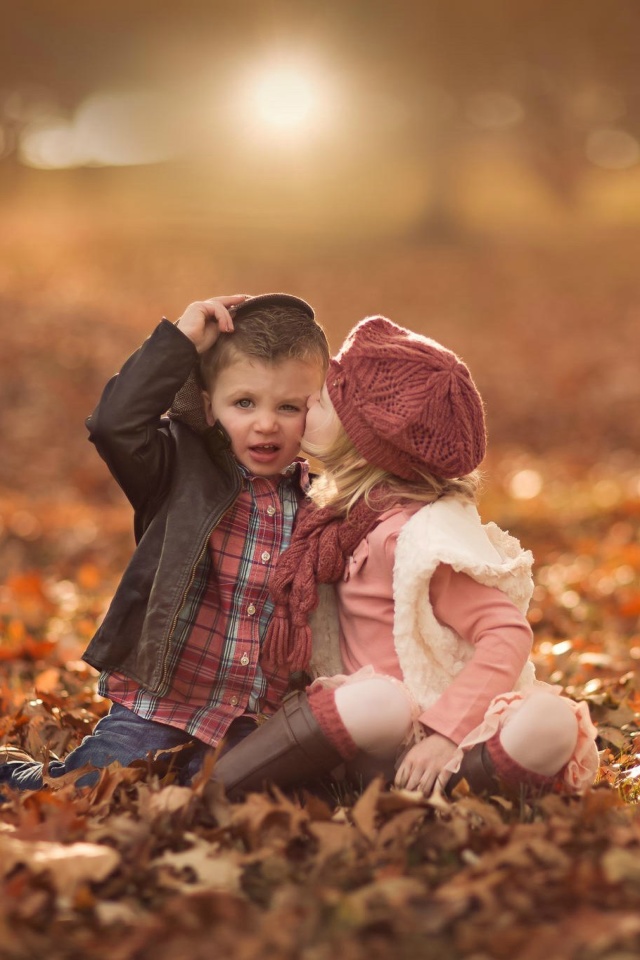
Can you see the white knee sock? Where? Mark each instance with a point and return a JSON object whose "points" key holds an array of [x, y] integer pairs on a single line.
{"points": [[542, 734], [377, 714]]}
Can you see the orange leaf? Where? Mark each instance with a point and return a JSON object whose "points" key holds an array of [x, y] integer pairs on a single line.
{"points": [[27, 585], [48, 680], [89, 576]]}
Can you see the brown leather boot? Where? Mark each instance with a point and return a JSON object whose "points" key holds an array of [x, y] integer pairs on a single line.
{"points": [[478, 770], [287, 750], [488, 769]]}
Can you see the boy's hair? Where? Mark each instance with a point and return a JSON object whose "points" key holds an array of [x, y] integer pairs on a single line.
{"points": [[268, 334], [348, 477]]}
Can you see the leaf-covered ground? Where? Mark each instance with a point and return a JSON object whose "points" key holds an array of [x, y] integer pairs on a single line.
{"points": [[138, 867]]}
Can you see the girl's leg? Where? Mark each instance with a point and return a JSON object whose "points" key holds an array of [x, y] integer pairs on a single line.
{"points": [[541, 735], [377, 714], [312, 734], [532, 746], [290, 749]]}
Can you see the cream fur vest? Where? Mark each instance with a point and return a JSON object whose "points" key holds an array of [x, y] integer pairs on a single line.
{"points": [[430, 654]]}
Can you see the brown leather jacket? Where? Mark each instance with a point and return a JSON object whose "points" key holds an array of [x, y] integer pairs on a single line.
{"points": [[180, 484]]}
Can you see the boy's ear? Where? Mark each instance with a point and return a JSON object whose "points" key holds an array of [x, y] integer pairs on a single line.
{"points": [[208, 412]]}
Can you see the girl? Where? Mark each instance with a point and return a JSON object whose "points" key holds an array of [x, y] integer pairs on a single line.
{"points": [[420, 642]]}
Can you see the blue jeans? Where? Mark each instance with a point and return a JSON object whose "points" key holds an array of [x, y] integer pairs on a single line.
{"points": [[122, 736]]}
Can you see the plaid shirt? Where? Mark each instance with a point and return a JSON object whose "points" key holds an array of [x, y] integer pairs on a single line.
{"points": [[214, 657]]}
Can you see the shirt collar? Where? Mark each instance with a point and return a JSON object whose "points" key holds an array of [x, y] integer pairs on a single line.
{"points": [[297, 472]]}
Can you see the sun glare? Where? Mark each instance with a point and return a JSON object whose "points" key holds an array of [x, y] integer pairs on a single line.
{"points": [[286, 99]]}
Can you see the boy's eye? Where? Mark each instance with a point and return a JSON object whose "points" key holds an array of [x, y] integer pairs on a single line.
{"points": [[244, 403], [291, 407]]}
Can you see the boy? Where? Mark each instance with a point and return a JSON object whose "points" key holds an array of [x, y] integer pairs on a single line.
{"points": [[215, 488]]}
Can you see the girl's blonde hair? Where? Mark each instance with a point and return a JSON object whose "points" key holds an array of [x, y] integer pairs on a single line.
{"points": [[348, 477]]}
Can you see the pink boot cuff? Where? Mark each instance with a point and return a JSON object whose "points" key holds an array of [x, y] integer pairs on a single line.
{"points": [[512, 773], [322, 702]]}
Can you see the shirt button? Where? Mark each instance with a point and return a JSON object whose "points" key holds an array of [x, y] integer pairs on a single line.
{"points": [[233, 701], [265, 556], [244, 659], [271, 511], [251, 609]]}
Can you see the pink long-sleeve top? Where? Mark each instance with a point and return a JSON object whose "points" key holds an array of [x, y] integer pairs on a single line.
{"points": [[483, 615]]}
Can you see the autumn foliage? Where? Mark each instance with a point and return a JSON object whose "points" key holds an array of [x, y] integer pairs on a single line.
{"points": [[138, 867]]}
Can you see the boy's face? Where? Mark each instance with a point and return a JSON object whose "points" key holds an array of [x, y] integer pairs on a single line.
{"points": [[263, 407]]}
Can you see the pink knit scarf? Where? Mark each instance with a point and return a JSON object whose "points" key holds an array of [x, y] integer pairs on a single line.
{"points": [[320, 546]]}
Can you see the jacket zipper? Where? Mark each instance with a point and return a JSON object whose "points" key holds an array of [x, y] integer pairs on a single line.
{"points": [[179, 607]]}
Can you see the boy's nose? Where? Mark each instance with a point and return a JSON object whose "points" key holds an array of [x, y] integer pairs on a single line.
{"points": [[266, 422]]}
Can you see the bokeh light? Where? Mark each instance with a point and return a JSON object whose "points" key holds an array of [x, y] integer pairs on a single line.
{"points": [[612, 149], [494, 110], [525, 484], [108, 129]]}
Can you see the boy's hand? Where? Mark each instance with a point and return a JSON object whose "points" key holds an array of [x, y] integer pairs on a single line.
{"points": [[423, 763], [204, 320]]}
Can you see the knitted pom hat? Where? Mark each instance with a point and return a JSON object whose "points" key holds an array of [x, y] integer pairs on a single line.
{"points": [[406, 403]]}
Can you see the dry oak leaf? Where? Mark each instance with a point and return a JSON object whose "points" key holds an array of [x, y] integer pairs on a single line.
{"points": [[387, 899], [406, 809], [267, 824], [168, 800], [620, 866], [205, 867], [365, 811], [121, 828], [333, 839], [68, 865], [597, 931]]}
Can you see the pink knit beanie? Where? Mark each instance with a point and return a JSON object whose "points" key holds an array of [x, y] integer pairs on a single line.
{"points": [[406, 403]]}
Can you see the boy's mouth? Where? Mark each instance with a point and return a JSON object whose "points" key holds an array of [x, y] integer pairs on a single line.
{"points": [[265, 451]]}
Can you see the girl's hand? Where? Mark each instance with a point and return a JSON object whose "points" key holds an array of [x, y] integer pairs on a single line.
{"points": [[423, 763], [204, 320]]}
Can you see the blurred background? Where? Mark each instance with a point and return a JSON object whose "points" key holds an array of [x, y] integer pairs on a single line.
{"points": [[471, 170]]}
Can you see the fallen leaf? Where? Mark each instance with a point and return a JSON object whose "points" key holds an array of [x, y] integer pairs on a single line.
{"points": [[365, 810], [67, 865], [621, 865], [201, 867]]}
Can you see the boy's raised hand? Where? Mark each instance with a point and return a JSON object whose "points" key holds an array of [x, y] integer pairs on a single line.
{"points": [[204, 320]]}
